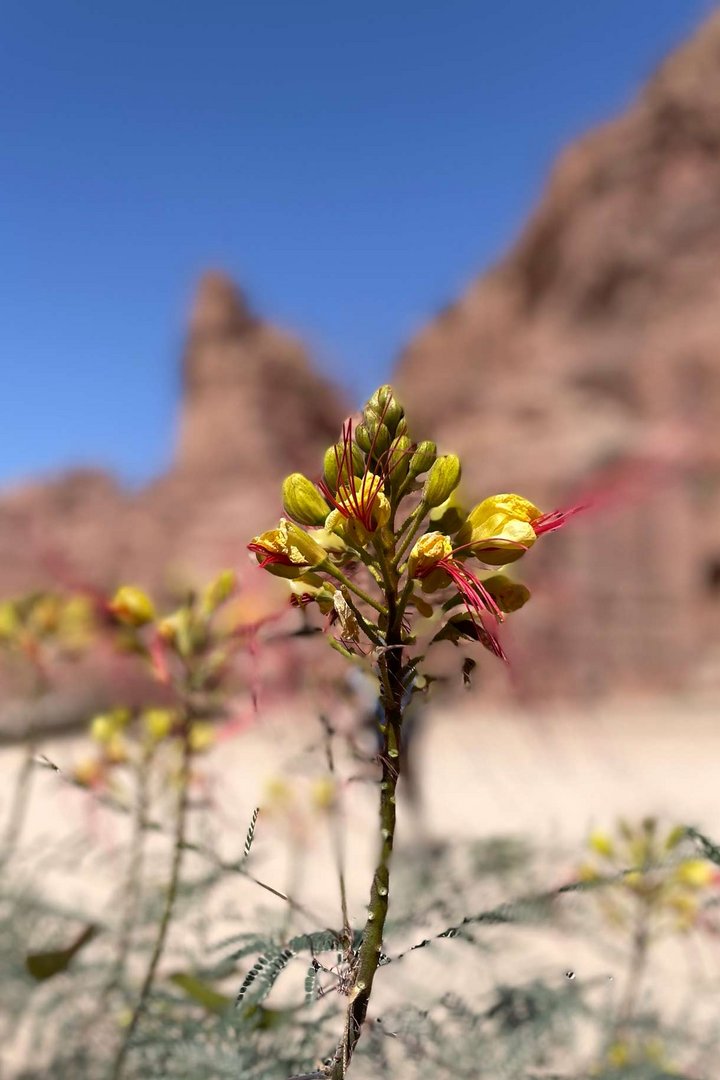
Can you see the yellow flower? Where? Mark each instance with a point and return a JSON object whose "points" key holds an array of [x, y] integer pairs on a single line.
{"points": [[287, 550], [427, 552], [132, 606], [364, 501], [695, 873], [9, 620], [602, 844], [499, 529], [158, 723], [103, 728], [324, 793], [202, 736], [619, 1054]]}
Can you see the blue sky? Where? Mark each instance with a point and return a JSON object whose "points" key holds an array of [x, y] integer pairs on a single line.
{"points": [[352, 165]]}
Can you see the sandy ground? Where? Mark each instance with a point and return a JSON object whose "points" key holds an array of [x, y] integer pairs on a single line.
{"points": [[548, 777]]}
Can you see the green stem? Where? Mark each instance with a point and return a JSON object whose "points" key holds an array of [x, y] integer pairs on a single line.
{"points": [[133, 884], [166, 918], [370, 950], [412, 523], [344, 580], [637, 966]]}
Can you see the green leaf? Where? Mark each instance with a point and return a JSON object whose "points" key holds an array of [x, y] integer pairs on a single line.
{"points": [[44, 965], [201, 992]]}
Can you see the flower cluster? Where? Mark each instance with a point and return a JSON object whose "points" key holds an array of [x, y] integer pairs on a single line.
{"points": [[383, 520], [669, 887], [187, 652], [63, 624]]}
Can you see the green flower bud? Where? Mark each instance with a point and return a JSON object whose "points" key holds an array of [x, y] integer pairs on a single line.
{"points": [[302, 501], [398, 460], [363, 437], [443, 478], [218, 591], [382, 440], [423, 458], [336, 458], [384, 406], [297, 539]]}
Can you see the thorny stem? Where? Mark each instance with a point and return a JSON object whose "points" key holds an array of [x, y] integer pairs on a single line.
{"points": [[336, 835], [411, 523], [371, 945], [637, 965], [179, 848]]}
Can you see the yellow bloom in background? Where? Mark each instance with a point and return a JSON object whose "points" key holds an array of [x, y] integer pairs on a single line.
{"points": [[695, 873], [158, 723], [324, 793], [132, 606], [601, 843], [279, 795], [618, 1055], [9, 620], [202, 736]]}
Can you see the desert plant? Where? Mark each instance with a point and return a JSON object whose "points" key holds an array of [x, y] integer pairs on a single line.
{"points": [[386, 556]]}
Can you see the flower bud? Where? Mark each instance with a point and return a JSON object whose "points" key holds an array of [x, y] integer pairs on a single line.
{"points": [[313, 554], [302, 501], [429, 550], [443, 478], [695, 873], [158, 723], [509, 595], [601, 843], [398, 460], [336, 459], [372, 436], [218, 591], [423, 458], [201, 736], [384, 406], [132, 606], [363, 437], [102, 728], [9, 620]]}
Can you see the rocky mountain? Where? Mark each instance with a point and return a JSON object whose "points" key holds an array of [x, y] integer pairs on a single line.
{"points": [[585, 364], [253, 409], [589, 360]]}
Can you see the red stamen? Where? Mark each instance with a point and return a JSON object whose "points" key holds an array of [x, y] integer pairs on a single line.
{"points": [[555, 519], [358, 503], [475, 596], [272, 556]]}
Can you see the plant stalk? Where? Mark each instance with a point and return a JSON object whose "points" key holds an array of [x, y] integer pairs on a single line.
{"points": [[370, 950], [179, 848]]}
